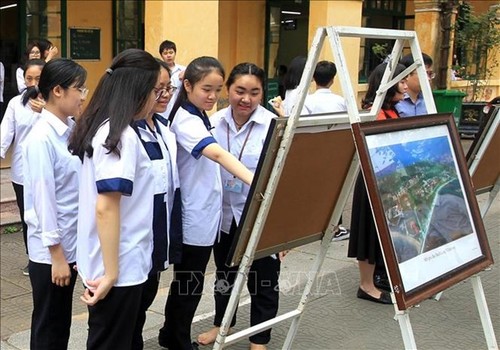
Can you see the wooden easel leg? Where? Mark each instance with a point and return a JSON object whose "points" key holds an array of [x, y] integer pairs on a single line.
{"points": [[233, 302], [313, 273], [484, 313], [493, 193], [406, 331]]}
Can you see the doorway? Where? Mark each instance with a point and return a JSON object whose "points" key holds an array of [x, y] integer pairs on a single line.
{"points": [[287, 30]]}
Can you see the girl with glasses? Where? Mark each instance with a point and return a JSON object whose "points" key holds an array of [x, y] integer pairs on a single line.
{"points": [[33, 52], [51, 176], [115, 236], [160, 145]]}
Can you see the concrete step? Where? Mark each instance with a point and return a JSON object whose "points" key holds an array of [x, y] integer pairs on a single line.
{"points": [[9, 213]]}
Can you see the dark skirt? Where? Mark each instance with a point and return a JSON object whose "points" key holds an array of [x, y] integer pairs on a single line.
{"points": [[363, 241]]}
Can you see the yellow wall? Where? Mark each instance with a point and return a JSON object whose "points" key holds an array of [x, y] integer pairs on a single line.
{"points": [[338, 13], [192, 25], [242, 32], [93, 14]]}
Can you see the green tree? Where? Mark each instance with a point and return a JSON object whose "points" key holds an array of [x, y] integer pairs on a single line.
{"points": [[477, 43]]}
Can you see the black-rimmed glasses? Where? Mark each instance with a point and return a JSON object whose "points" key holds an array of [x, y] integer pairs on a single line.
{"points": [[164, 91]]}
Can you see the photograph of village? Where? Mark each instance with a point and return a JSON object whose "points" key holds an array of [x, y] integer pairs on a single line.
{"points": [[421, 195]]}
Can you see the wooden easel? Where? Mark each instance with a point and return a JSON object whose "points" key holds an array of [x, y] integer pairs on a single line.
{"points": [[294, 122]]}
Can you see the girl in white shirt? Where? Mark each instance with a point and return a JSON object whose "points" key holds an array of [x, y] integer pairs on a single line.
{"points": [[115, 236], [241, 129], [33, 52], [290, 83], [160, 145], [51, 175], [23, 111], [198, 159]]}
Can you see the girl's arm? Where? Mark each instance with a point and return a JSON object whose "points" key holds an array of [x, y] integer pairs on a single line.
{"points": [[216, 153], [7, 129], [108, 228]]}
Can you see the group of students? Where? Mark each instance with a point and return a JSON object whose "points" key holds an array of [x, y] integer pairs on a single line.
{"points": [[117, 192]]}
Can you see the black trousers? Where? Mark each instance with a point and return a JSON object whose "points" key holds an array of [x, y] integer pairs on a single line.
{"points": [[262, 285], [184, 296], [19, 191], [149, 290], [112, 320], [52, 306]]}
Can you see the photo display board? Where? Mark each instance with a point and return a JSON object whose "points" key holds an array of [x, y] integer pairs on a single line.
{"points": [[307, 193], [424, 206], [482, 158]]}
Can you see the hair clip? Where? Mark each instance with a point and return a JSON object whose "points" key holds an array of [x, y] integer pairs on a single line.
{"points": [[109, 71]]}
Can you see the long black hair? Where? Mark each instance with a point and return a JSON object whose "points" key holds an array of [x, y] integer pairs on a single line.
{"points": [[32, 91], [294, 73], [374, 81], [196, 71], [122, 93]]}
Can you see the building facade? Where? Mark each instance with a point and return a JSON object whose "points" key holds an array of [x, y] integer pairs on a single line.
{"points": [[267, 32]]}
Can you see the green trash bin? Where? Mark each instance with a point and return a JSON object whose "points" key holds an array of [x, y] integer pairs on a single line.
{"points": [[449, 101]]}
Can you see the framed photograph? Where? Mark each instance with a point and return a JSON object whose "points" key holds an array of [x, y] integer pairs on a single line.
{"points": [[425, 210]]}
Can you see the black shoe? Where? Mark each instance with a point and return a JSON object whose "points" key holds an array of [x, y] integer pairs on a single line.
{"points": [[385, 298], [381, 282], [195, 345]]}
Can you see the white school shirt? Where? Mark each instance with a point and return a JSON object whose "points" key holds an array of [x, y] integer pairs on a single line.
{"points": [[161, 148], [21, 84], [17, 123], [201, 186], [233, 203], [51, 176], [131, 175], [2, 80], [323, 101], [291, 97]]}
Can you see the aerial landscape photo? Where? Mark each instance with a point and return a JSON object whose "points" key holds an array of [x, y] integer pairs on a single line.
{"points": [[421, 195]]}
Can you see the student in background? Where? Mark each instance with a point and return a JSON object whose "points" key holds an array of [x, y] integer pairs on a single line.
{"points": [[51, 176], [198, 159], [168, 52], [115, 235], [160, 144], [413, 103], [290, 83], [363, 242], [22, 112], [323, 100], [33, 52], [241, 129]]}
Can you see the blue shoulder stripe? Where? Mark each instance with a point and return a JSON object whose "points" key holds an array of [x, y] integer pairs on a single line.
{"points": [[116, 184], [196, 152]]}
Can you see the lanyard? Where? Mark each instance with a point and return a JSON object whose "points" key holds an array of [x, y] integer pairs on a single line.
{"points": [[244, 143]]}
